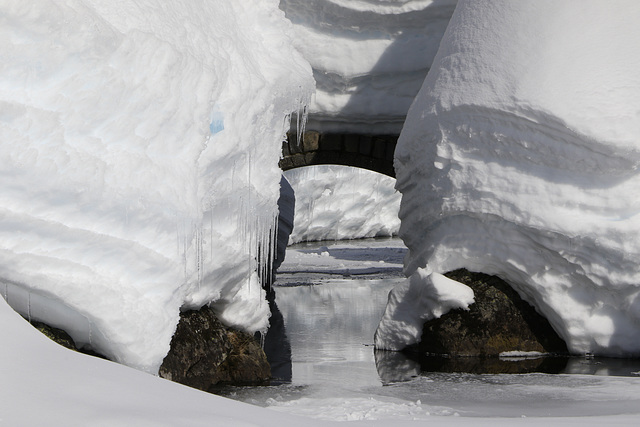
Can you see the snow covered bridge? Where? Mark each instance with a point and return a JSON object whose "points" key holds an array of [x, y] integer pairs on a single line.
{"points": [[372, 152]]}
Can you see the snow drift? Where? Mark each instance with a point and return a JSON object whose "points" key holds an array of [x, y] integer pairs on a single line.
{"points": [[369, 58], [138, 155], [336, 202], [520, 156]]}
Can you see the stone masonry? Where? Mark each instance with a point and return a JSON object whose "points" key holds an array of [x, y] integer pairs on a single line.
{"points": [[372, 152]]}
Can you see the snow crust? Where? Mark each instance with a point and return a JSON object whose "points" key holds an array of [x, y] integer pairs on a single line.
{"points": [[138, 157], [520, 156], [369, 58], [336, 202]]}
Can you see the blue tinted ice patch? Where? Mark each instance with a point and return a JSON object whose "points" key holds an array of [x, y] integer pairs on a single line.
{"points": [[217, 120]]}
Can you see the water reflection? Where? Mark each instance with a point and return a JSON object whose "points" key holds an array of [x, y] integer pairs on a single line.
{"points": [[396, 367], [329, 333], [330, 327], [276, 345], [325, 361], [603, 366]]}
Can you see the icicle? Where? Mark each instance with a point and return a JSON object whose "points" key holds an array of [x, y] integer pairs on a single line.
{"points": [[301, 121], [250, 250], [198, 243], [29, 306], [273, 250], [298, 130], [211, 232], [177, 235], [90, 334], [184, 253]]}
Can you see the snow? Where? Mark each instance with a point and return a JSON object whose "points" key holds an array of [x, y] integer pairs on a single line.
{"points": [[46, 384], [344, 258], [519, 158], [336, 202], [369, 58], [138, 158], [424, 296], [139, 163]]}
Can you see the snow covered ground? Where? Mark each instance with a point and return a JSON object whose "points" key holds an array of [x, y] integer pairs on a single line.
{"points": [[336, 202], [369, 58], [520, 158]]}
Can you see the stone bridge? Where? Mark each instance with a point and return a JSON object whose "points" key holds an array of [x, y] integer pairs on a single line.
{"points": [[372, 152]]}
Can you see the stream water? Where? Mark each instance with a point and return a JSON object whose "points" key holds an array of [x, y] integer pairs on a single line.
{"points": [[328, 301]]}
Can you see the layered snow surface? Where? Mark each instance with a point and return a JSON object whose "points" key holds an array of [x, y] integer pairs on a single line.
{"points": [[369, 58], [138, 157], [519, 157], [334, 202]]}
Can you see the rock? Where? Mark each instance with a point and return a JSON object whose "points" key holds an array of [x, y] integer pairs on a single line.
{"points": [[55, 334], [205, 353], [498, 321], [63, 338]]}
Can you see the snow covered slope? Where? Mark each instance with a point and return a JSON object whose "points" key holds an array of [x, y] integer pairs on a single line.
{"points": [[369, 58], [138, 156], [336, 202], [520, 158]]}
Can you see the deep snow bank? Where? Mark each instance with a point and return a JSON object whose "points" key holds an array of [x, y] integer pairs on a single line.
{"points": [[520, 158], [369, 58], [334, 202], [138, 157]]}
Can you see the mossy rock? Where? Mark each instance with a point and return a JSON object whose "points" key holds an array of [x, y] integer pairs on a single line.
{"points": [[498, 321], [63, 338], [57, 335], [205, 353]]}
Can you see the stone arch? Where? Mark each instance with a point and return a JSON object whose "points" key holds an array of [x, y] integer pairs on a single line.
{"points": [[372, 152]]}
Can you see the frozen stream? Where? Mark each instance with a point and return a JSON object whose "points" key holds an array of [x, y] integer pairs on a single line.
{"points": [[332, 296]]}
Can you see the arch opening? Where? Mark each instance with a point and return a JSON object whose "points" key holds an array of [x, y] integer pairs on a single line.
{"points": [[372, 152]]}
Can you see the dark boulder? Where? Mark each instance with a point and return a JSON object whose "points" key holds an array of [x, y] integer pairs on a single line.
{"points": [[205, 353], [499, 321]]}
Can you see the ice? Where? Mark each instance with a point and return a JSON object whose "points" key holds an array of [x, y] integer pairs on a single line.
{"points": [[336, 202], [369, 58], [519, 158], [344, 258], [139, 163], [354, 409]]}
